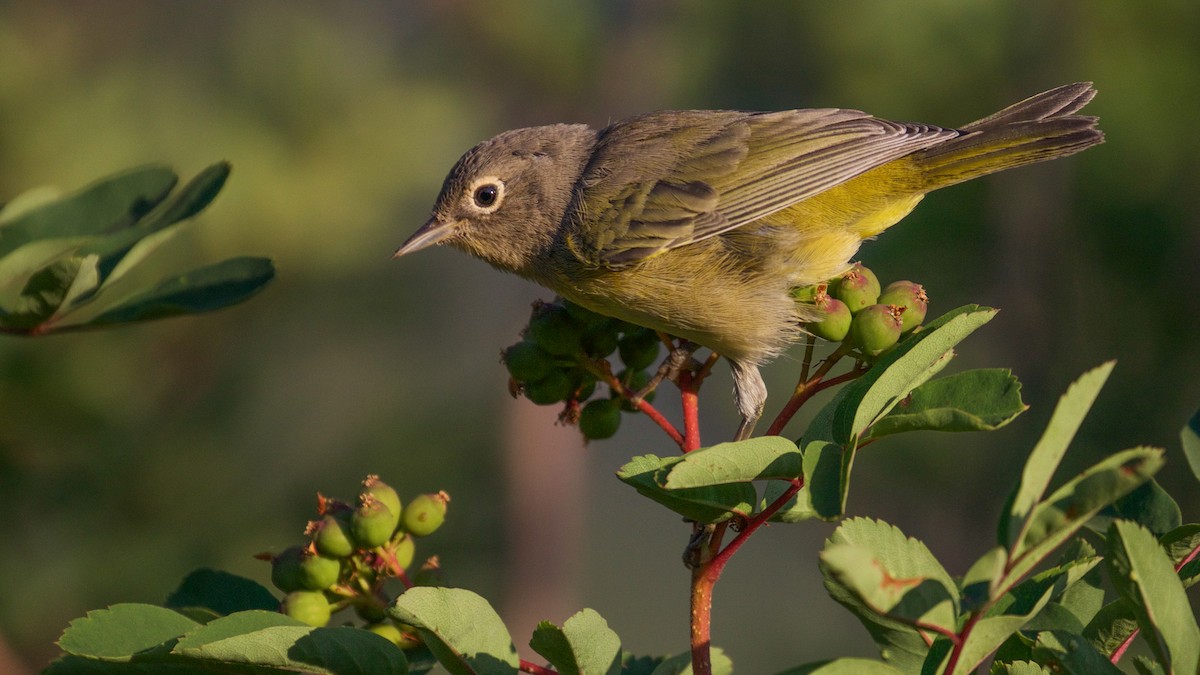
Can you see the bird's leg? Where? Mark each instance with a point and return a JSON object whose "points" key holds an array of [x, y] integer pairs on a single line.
{"points": [[697, 550], [750, 394], [670, 367]]}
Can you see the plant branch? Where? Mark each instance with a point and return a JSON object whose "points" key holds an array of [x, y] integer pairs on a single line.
{"points": [[807, 388], [689, 395], [603, 371], [535, 669]]}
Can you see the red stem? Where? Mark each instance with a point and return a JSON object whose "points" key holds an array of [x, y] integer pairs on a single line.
{"points": [[535, 669], [806, 389], [705, 576], [689, 394]]}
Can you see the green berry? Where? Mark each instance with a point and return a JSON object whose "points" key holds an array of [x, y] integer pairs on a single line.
{"points": [[553, 329], [858, 288], [601, 341], [310, 607], [403, 551], [834, 323], [585, 317], [386, 494], [639, 349], [600, 418], [554, 388], [372, 523], [809, 294], [909, 295], [425, 514], [369, 609], [388, 631], [584, 384], [635, 381], [331, 534], [285, 569], [875, 328], [527, 362], [318, 572]]}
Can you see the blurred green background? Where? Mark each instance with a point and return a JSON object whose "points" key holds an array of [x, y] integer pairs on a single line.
{"points": [[130, 457]]}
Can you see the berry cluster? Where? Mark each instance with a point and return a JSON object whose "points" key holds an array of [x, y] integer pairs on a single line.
{"points": [[564, 353], [858, 313], [352, 550]]}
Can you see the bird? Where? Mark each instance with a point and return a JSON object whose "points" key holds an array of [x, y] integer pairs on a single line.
{"points": [[701, 223]]}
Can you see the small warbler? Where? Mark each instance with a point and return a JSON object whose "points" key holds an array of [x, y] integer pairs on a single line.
{"points": [[700, 223]]}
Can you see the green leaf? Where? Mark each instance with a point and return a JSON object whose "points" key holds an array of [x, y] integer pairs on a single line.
{"points": [[1056, 581], [975, 400], [1189, 436], [1017, 668], [203, 290], [906, 367], [713, 504], [460, 628], [583, 646], [843, 666], [741, 462], [826, 477], [978, 585], [1048, 452], [989, 633], [1182, 546], [904, 561], [122, 630], [275, 641], [1067, 652], [1144, 576], [108, 205], [1147, 666], [43, 294], [1147, 505], [221, 592], [681, 664], [913, 600], [1056, 519]]}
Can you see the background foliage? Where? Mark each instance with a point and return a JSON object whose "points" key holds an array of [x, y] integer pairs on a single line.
{"points": [[130, 457]]}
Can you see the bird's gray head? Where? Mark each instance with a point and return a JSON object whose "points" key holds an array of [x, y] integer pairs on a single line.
{"points": [[505, 198]]}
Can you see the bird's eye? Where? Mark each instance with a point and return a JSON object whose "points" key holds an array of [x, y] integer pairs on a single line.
{"points": [[486, 194]]}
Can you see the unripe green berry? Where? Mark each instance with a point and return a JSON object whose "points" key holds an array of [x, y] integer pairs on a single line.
{"points": [[372, 523], [834, 323], [635, 381], [875, 328], [809, 294], [285, 569], [318, 572], [584, 384], [553, 329], [909, 295], [554, 388], [386, 495], [585, 317], [527, 362], [403, 551], [369, 609], [600, 341], [388, 631], [639, 349], [600, 418], [425, 514], [858, 288], [331, 534], [310, 607]]}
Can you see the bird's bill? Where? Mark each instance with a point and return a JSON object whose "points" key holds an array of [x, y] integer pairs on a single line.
{"points": [[433, 232]]}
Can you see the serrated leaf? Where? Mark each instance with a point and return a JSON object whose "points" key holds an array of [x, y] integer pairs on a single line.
{"points": [[203, 290], [1148, 505], [1055, 580], [1145, 577], [221, 592], [272, 640], [1183, 547], [1018, 668], [1048, 452], [915, 599], [989, 633], [460, 628], [843, 666], [1067, 652], [1060, 516], [712, 504], [681, 664], [740, 462], [975, 400], [906, 367], [900, 644], [585, 645], [122, 630], [108, 205], [1189, 436]]}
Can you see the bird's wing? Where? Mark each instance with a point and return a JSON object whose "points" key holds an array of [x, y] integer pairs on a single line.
{"points": [[664, 180]]}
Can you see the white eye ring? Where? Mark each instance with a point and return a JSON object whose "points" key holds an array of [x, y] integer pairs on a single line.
{"points": [[486, 194]]}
